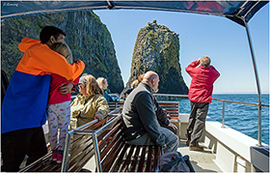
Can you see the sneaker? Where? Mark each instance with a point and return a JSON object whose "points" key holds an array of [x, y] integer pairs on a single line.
{"points": [[195, 148], [59, 156], [187, 142], [54, 155]]}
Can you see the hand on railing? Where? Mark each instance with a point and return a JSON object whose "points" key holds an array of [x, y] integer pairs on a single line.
{"points": [[99, 117]]}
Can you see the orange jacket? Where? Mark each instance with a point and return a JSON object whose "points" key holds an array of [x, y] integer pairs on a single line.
{"points": [[39, 59], [26, 98]]}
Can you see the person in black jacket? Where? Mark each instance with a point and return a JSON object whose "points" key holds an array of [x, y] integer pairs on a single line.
{"points": [[140, 122], [162, 116]]}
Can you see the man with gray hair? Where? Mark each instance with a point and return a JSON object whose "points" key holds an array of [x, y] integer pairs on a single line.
{"points": [[139, 118], [199, 94]]}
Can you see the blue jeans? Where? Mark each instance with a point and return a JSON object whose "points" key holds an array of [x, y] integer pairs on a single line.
{"points": [[171, 140]]}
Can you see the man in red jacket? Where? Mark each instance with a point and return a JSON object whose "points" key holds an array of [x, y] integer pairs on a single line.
{"points": [[199, 94]]}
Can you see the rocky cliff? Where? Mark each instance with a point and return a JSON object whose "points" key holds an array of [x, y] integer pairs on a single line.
{"points": [[157, 49], [87, 37]]}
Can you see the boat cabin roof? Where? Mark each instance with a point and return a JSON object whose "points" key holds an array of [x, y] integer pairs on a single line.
{"points": [[238, 11]]}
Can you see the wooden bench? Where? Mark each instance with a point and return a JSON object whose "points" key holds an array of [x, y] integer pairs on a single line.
{"points": [[115, 155], [79, 149], [115, 105], [172, 108]]}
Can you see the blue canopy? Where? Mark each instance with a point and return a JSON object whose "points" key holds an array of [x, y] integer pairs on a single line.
{"points": [[238, 11]]}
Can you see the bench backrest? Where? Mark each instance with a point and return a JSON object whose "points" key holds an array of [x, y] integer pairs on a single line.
{"points": [[115, 155], [79, 146], [172, 108], [115, 105]]}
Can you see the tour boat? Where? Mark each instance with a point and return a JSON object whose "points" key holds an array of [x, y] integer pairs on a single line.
{"points": [[226, 150]]}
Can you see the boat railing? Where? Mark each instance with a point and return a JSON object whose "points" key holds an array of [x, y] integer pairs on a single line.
{"points": [[259, 105]]}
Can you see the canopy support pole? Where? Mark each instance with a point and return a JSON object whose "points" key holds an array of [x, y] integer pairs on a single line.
{"points": [[257, 83]]}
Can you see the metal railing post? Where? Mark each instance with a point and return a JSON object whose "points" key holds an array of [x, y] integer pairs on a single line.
{"points": [[257, 82], [66, 155], [223, 115], [97, 155]]}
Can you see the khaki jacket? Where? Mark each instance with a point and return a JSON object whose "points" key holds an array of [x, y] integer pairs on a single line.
{"points": [[84, 108]]}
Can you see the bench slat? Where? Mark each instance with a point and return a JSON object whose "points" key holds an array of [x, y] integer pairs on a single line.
{"points": [[76, 167], [149, 159], [105, 139], [157, 154], [142, 158], [112, 158], [135, 159], [51, 167], [83, 153], [106, 149], [119, 159], [128, 159]]}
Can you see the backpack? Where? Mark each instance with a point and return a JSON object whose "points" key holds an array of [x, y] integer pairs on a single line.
{"points": [[173, 162]]}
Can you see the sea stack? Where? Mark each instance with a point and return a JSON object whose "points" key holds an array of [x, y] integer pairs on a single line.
{"points": [[157, 49]]}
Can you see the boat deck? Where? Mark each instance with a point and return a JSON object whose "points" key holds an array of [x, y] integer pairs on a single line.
{"points": [[202, 161]]}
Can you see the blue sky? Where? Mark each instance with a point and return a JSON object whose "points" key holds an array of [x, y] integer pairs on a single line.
{"points": [[224, 41]]}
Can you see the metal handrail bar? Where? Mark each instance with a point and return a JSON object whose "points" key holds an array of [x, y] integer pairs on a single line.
{"points": [[171, 95], [259, 104], [111, 123], [186, 96], [243, 103], [87, 124]]}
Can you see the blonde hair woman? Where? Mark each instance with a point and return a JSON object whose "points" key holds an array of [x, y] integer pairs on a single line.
{"points": [[90, 104], [102, 82]]}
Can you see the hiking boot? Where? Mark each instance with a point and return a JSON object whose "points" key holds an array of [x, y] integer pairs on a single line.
{"points": [[59, 156], [54, 155], [195, 148], [187, 142]]}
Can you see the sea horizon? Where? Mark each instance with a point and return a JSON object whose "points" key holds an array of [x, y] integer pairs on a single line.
{"points": [[243, 118]]}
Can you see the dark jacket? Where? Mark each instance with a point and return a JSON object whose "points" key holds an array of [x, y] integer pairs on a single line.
{"points": [[139, 115], [161, 114]]}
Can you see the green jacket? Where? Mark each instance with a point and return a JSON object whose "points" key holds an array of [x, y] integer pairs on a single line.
{"points": [[84, 108]]}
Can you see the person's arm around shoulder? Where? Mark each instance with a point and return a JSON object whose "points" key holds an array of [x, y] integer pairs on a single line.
{"points": [[103, 108], [46, 60], [67, 88]]}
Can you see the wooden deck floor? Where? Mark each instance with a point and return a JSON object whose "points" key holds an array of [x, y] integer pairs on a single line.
{"points": [[202, 161]]}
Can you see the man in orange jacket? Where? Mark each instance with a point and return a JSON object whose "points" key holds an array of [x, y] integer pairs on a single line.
{"points": [[24, 107], [200, 92]]}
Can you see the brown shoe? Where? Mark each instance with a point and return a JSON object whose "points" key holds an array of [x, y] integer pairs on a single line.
{"points": [[187, 142], [195, 148]]}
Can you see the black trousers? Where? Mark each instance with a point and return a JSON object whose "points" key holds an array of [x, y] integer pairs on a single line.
{"points": [[16, 144], [196, 124]]}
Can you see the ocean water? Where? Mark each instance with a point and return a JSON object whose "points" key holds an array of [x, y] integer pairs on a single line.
{"points": [[243, 118]]}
